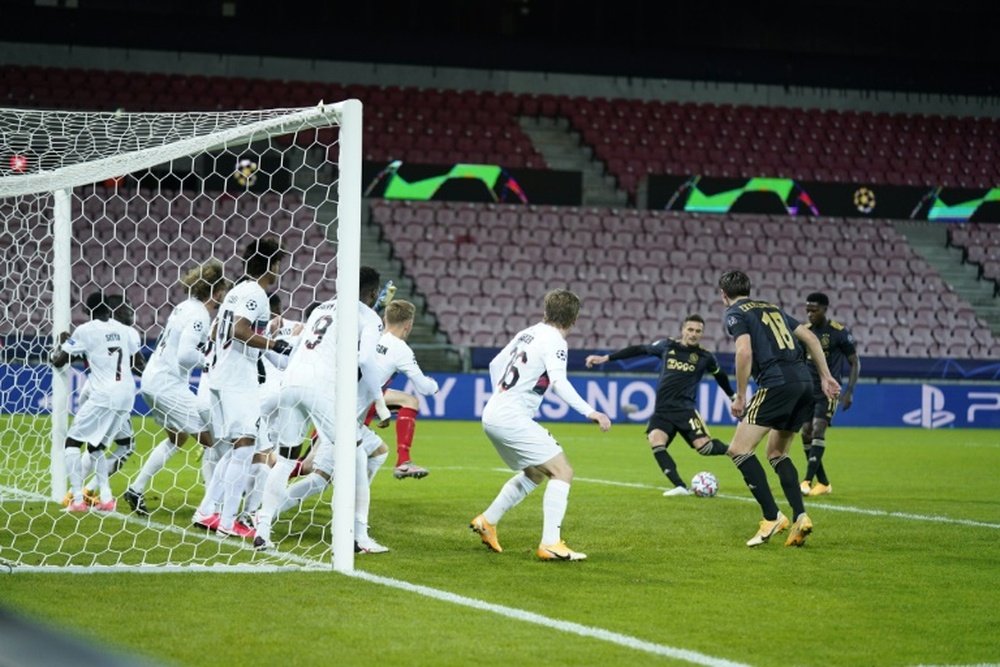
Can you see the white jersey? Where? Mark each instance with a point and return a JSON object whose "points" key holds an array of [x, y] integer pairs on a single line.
{"points": [[235, 363], [181, 346], [523, 371], [109, 347], [313, 359], [393, 355]]}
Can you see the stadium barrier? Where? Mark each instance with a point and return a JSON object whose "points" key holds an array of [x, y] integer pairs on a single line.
{"points": [[625, 398]]}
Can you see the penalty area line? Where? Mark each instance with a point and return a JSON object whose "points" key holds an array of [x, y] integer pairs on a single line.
{"points": [[570, 627]]}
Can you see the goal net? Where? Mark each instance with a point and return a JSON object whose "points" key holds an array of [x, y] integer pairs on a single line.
{"points": [[124, 204]]}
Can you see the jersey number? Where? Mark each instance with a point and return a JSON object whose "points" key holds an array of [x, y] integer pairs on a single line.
{"points": [[319, 330], [511, 374], [225, 334], [782, 336], [118, 370]]}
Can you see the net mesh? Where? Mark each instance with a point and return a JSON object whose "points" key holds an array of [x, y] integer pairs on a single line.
{"points": [[152, 195]]}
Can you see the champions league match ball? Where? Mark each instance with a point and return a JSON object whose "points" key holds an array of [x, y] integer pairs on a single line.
{"points": [[246, 173], [704, 485]]}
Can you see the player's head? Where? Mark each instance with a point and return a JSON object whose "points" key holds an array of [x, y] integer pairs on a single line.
{"points": [[206, 282], [121, 309], [562, 307], [263, 258], [97, 307], [399, 316], [816, 305], [692, 329], [368, 285], [734, 285], [274, 304]]}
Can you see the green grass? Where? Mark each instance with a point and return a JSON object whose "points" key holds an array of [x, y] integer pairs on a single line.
{"points": [[869, 588]]}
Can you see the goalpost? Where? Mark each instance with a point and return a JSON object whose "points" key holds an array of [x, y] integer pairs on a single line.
{"points": [[125, 203]]}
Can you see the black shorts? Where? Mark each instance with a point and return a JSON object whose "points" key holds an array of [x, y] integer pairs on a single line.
{"points": [[823, 407], [687, 423], [786, 407]]}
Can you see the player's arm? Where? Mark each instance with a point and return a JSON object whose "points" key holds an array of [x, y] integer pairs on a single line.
{"points": [[555, 366], [280, 359], [830, 386], [498, 365], [243, 331], [190, 347], [722, 379], [624, 353], [744, 364], [368, 367], [423, 384], [59, 356], [847, 398]]}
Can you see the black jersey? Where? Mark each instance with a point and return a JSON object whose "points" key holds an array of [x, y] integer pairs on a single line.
{"points": [[838, 345], [683, 368], [777, 356]]}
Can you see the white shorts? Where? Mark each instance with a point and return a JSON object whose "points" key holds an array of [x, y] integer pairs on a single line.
{"points": [[297, 407], [370, 441], [97, 425], [173, 405], [235, 413], [522, 442]]}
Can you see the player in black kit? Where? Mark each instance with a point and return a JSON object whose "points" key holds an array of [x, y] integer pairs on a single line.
{"points": [[838, 344], [766, 348], [685, 362]]}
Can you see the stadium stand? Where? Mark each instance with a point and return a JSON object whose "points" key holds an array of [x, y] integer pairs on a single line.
{"points": [[631, 137], [482, 269], [981, 245]]}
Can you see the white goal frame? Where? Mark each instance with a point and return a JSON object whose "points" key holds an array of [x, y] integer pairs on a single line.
{"points": [[60, 183]]}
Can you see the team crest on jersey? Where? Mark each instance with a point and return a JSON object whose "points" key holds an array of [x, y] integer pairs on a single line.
{"points": [[561, 355], [824, 340], [693, 358]]}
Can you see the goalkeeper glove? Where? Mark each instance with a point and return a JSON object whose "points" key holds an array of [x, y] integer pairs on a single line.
{"points": [[385, 296]]}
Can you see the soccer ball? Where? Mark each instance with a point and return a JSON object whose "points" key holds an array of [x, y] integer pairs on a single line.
{"points": [[864, 200], [704, 484], [246, 173]]}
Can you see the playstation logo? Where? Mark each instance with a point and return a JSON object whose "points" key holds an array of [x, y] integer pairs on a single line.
{"points": [[931, 413]]}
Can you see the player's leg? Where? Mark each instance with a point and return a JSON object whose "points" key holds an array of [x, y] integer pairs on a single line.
{"points": [[807, 438], [74, 472], [244, 408], [514, 490], [291, 422], [376, 452], [554, 504], [659, 432], [815, 467], [93, 425], [778, 447], [263, 458], [407, 408], [699, 438], [749, 432]]}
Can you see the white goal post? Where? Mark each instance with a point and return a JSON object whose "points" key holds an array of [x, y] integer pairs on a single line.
{"points": [[126, 202]]}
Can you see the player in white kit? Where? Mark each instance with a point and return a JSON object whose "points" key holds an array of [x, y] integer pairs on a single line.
{"points": [[307, 395], [520, 375], [165, 382], [239, 339], [112, 352]]}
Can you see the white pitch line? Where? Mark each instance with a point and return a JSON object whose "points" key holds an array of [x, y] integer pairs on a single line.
{"points": [[929, 518], [601, 634]]}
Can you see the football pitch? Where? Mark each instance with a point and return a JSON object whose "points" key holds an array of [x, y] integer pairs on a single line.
{"points": [[902, 569]]}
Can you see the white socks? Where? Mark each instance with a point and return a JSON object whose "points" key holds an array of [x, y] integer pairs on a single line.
{"points": [[155, 462], [513, 492], [255, 491], [310, 485], [553, 510], [215, 487], [374, 463], [74, 472], [101, 473], [234, 483]]}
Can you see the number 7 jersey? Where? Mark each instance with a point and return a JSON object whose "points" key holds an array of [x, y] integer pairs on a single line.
{"points": [[109, 347]]}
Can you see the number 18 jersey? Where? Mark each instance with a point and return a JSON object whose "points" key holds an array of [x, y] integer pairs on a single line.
{"points": [[777, 357]]}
